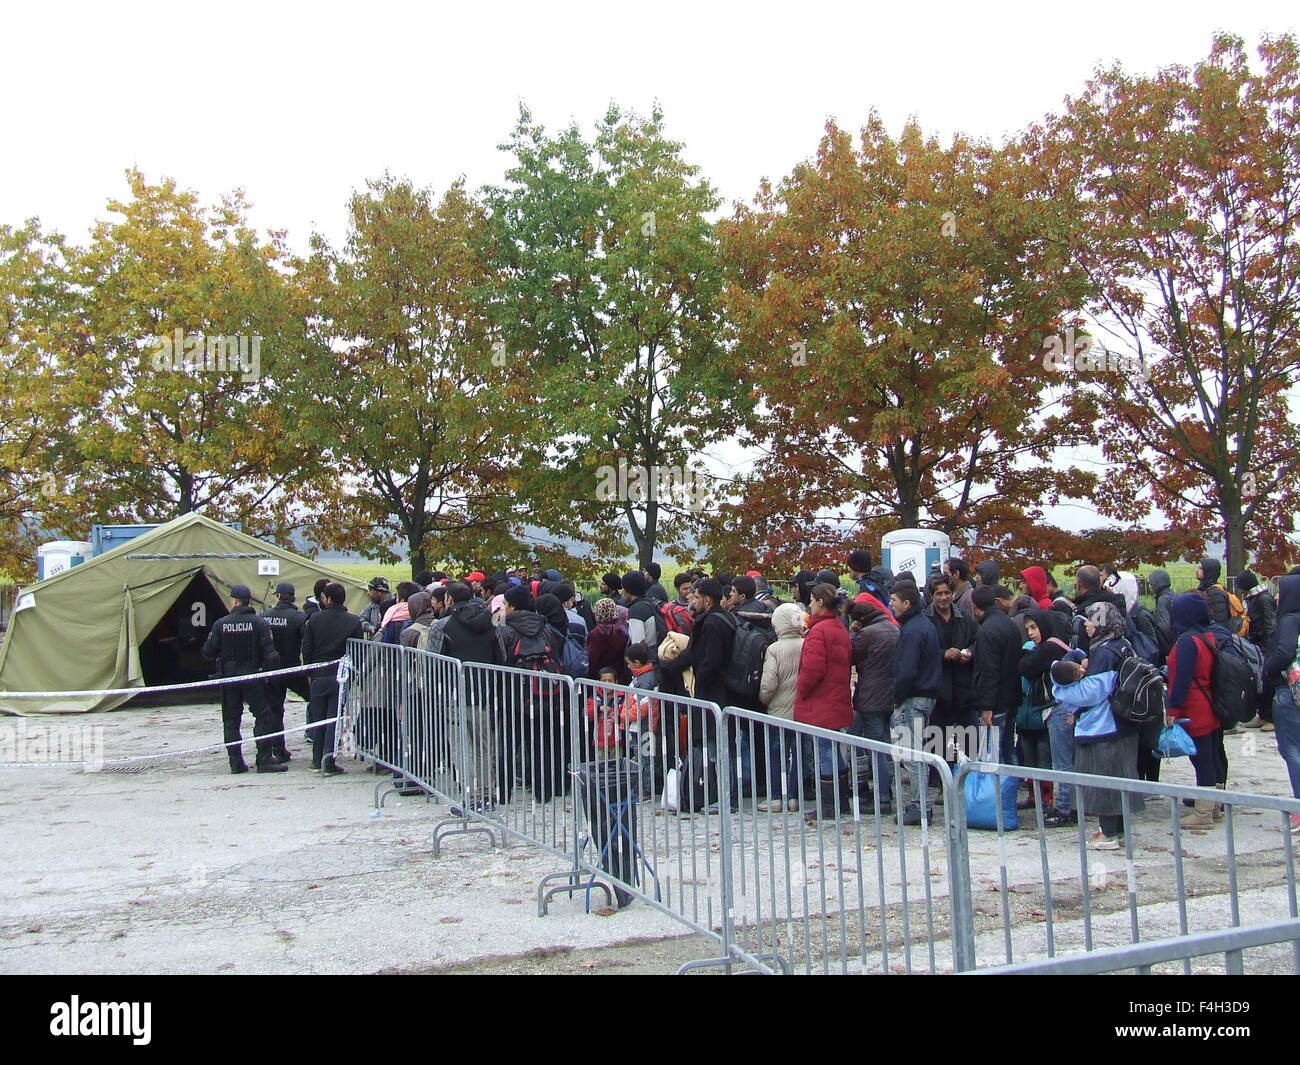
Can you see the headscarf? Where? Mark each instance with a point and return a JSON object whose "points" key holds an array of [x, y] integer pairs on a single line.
{"points": [[606, 610], [549, 607], [1108, 621]]}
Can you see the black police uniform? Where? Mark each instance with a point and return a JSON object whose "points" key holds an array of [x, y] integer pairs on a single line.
{"points": [[286, 622], [241, 642]]}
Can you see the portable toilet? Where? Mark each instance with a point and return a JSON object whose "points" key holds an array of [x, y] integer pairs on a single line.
{"points": [[914, 551], [60, 555]]}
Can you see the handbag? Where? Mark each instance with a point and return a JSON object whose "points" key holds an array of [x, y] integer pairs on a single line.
{"points": [[1174, 741], [984, 791]]}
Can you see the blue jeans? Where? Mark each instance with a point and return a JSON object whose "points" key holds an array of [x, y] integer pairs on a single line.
{"points": [[828, 758], [908, 725], [1286, 719], [1061, 737], [875, 727], [783, 763]]}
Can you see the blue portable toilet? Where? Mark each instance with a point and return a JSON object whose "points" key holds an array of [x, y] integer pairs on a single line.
{"points": [[915, 550]]}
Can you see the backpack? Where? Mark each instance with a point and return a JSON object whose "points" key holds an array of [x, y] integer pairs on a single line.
{"points": [[1236, 679], [676, 618], [1143, 644], [744, 675], [573, 655], [1139, 693], [1238, 619], [538, 654], [1293, 677]]}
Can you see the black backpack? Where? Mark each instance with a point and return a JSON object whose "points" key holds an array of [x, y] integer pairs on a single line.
{"points": [[744, 675], [538, 654], [1139, 693], [1236, 679]]}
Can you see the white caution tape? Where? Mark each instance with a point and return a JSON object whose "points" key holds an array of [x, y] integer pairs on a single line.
{"points": [[189, 686], [97, 766]]}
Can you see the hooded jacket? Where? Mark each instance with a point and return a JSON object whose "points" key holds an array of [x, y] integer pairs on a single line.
{"points": [[874, 646], [420, 606], [607, 645], [522, 624], [1036, 663], [1261, 609], [1282, 647], [918, 665], [1214, 595], [469, 634], [1035, 578], [1190, 665], [989, 573], [781, 662], [1124, 585], [823, 689]]}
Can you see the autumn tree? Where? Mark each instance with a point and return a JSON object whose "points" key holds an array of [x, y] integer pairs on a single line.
{"points": [[890, 304], [607, 304], [187, 320], [41, 397], [411, 419], [1187, 188]]}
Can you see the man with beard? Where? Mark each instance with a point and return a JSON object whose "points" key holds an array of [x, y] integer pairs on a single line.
{"points": [[954, 708]]}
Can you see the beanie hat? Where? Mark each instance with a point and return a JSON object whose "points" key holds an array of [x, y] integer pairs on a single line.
{"points": [[634, 583], [860, 560], [520, 598], [1246, 580]]}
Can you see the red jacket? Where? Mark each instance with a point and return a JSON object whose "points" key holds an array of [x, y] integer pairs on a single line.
{"points": [[1196, 704], [822, 694], [1035, 578]]}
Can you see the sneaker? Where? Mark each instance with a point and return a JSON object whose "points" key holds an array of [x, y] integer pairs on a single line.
{"points": [[792, 805], [1056, 819], [329, 769], [272, 767], [1254, 722], [1234, 731], [1295, 824], [1267, 726], [1102, 842]]}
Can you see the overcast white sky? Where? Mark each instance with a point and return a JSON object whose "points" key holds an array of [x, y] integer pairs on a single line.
{"points": [[299, 104]]}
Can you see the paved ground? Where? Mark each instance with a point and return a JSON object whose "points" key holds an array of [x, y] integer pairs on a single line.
{"points": [[182, 868]]}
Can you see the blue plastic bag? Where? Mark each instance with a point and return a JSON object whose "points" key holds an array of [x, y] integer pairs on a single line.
{"points": [[1174, 741], [981, 792]]}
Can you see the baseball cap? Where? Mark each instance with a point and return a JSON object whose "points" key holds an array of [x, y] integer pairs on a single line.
{"points": [[476, 576], [284, 588], [240, 591]]}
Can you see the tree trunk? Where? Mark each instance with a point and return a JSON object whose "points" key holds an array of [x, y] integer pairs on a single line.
{"points": [[1234, 525]]}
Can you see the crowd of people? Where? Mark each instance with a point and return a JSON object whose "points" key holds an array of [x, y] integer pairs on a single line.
{"points": [[964, 661]]}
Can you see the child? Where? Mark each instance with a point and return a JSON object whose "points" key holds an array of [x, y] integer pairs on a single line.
{"points": [[640, 717], [603, 712]]}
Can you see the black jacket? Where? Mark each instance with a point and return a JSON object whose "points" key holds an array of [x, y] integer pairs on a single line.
{"points": [[918, 665], [468, 634], [1282, 647], [1035, 664], [326, 634], [997, 664], [286, 622], [709, 654], [1261, 609], [241, 642], [957, 688]]}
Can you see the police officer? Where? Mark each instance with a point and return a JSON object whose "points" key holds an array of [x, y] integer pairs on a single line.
{"points": [[241, 643], [325, 638], [286, 622]]}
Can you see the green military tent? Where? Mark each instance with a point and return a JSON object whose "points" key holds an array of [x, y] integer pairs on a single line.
{"points": [[136, 616]]}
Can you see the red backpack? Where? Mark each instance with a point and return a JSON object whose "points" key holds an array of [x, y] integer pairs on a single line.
{"points": [[677, 618]]}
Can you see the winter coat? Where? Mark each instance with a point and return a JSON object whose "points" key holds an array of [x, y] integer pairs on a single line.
{"points": [[958, 685], [989, 573], [643, 622], [1220, 609], [1190, 665], [874, 646], [1282, 647], [286, 622], [708, 654], [1036, 662], [607, 645], [469, 634], [918, 665], [241, 643], [326, 634], [1261, 609], [781, 662], [822, 692], [997, 664]]}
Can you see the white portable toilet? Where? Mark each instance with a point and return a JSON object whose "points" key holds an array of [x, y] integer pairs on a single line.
{"points": [[914, 551], [60, 555]]}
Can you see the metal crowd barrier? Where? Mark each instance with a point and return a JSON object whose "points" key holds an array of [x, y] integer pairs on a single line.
{"points": [[830, 878]]}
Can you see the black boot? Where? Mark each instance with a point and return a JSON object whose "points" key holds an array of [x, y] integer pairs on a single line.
{"points": [[237, 764], [825, 809], [328, 768]]}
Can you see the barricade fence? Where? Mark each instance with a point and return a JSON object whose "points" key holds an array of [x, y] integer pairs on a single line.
{"points": [[798, 849]]}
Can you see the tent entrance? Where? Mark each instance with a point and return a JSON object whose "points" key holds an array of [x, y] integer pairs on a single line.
{"points": [[171, 653]]}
